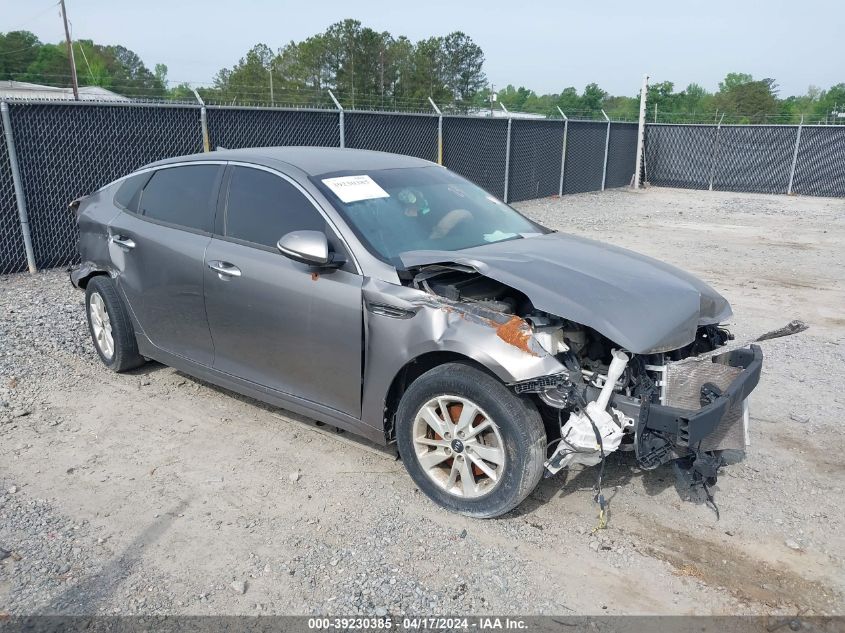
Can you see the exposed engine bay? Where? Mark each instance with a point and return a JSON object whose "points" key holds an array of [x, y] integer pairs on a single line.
{"points": [[686, 404]]}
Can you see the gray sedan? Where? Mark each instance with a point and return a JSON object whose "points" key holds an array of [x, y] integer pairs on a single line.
{"points": [[387, 296]]}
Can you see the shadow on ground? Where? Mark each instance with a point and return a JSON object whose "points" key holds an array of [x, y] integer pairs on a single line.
{"points": [[86, 596]]}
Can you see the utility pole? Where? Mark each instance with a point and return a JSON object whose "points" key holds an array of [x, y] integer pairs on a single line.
{"points": [[641, 133], [492, 98], [272, 99], [70, 53]]}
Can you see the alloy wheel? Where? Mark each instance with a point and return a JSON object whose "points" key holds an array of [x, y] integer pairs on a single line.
{"points": [[458, 446], [101, 325]]}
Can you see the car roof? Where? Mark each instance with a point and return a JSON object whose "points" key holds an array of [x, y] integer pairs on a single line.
{"points": [[314, 161]]}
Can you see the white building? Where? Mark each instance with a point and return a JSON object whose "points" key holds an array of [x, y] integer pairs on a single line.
{"points": [[23, 90]]}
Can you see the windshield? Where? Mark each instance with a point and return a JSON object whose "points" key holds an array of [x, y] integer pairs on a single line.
{"points": [[421, 208]]}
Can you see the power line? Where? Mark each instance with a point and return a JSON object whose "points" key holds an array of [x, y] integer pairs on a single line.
{"points": [[34, 17]]}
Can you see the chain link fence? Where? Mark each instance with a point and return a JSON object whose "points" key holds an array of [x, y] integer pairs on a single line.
{"points": [[234, 128], [476, 149], [12, 253], [409, 134], [70, 149], [621, 155], [778, 159], [536, 152], [585, 149], [820, 163]]}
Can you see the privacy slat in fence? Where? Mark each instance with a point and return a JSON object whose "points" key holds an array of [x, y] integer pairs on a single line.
{"points": [[621, 155], [535, 159], [820, 168], [234, 128], [585, 142], [409, 134], [69, 151], [754, 158], [475, 149], [679, 155], [12, 254]]}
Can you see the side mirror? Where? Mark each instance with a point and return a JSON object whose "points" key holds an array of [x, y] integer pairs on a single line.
{"points": [[309, 247]]}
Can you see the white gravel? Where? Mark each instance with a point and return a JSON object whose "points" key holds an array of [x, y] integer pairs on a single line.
{"points": [[154, 493]]}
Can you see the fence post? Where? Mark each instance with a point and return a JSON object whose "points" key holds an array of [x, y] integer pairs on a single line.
{"points": [[18, 184], [563, 151], [340, 122], [795, 156], [206, 142], [507, 151], [641, 133], [439, 131], [606, 148], [715, 151]]}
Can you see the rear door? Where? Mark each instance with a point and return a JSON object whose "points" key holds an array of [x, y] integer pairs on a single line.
{"points": [[276, 322], [158, 243]]}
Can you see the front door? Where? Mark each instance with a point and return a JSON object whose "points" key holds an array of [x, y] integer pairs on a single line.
{"points": [[159, 248], [276, 322]]}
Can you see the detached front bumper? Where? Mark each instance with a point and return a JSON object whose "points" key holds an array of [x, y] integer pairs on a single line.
{"points": [[664, 431]]}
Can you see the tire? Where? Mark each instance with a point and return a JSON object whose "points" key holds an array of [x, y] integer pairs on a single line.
{"points": [[110, 326], [515, 437]]}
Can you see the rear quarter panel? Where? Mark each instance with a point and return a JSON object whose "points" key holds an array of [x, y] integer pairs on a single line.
{"points": [[95, 214]]}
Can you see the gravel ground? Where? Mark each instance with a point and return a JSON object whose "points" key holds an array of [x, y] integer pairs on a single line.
{"points": [[155, 493]]}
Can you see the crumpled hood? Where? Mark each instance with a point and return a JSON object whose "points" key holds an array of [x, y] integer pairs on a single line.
{"points": [[640, 303]]}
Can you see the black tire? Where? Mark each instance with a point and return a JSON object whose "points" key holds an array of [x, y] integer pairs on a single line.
{"points": [[125, 355], [517, 420]]}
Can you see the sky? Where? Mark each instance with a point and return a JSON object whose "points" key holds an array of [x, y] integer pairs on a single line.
{"points": [[545, 46]]}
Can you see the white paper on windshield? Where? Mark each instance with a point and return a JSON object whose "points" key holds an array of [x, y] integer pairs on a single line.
{"points": [[355, 188], [498, 236]]}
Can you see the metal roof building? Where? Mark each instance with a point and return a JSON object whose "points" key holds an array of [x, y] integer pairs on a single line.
{"points": [[23, 90]]}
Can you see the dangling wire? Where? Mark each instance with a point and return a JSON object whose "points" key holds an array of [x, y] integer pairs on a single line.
{"points": [[599, 496]]}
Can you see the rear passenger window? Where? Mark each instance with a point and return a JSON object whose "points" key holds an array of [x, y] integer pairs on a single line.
{"points": [[181, 195], [262, 207], [129, 193]]}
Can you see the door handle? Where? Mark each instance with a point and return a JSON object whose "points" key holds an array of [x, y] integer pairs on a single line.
{"points": [[123, 242], [224, 269]]}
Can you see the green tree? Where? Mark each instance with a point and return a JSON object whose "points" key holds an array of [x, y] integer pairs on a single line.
{"points": [[569, 101], [463, 61], [747, 100], [249, 80], [18, 49], [50, 67], [365, 69], [592, 100], [514, 98], [829, 102]]}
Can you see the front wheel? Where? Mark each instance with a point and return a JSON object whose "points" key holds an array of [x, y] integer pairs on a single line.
{"points": [[468, 442]]}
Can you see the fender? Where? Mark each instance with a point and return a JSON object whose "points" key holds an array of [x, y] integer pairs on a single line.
{"points": [[401, 324]]}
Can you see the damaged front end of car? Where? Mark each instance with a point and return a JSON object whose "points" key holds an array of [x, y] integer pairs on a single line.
{"points": [[665, 403]]}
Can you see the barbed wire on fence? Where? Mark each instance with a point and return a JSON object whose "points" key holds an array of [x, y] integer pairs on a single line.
{"points": [[260, 95], [739, 118], [263, 95]]}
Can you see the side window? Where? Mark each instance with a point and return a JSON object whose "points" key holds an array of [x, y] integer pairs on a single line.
{"points": [[181, 195], [129, 193], [262, 207]]}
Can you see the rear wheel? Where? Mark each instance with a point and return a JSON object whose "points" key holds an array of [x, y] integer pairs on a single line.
{"points": [[110, 327], [468, 442]]}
